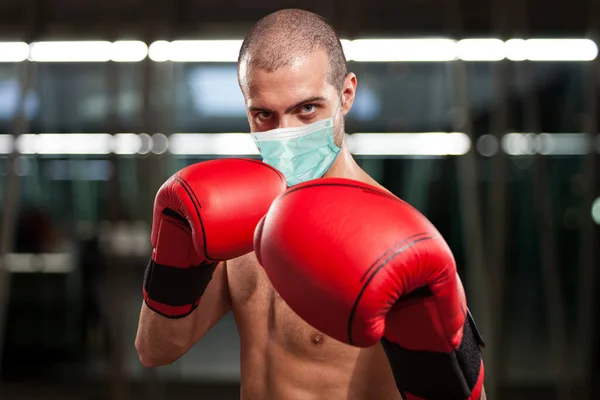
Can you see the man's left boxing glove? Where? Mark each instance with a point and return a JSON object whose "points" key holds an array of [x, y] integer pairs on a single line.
{"points": [[362, 266], [203, 214]]}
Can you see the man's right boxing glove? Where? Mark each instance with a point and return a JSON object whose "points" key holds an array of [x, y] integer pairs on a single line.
{"points": [[203, 214], [363, 266]]}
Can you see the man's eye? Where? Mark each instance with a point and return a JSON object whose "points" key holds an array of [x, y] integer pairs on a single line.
{"points": [[308, 108], [263, 115]]}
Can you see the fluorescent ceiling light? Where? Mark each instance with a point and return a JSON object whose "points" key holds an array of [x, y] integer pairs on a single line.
{"points": [[13, 51]]}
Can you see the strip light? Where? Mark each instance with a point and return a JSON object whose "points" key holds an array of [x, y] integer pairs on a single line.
{"points": [[480, 50], [88, 51], [47, 263], [362, 50], [82, 143], [196, 50], [13, 51], [425, 144], [400, 50], [432, 144], [519, 144], [551, 50], [125, 239], [210, 143], [390, 50], [376, 144], [7, 144], [596, 210]]}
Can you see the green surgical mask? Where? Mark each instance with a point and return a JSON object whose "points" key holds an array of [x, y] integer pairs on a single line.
{"points": [[301, 153]]}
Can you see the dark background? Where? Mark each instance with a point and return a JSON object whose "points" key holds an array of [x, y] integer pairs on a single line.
{"points": [[74, 238]]}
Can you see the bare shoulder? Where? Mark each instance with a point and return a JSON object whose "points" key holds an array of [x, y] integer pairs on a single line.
{"points": [[244, 277], [364, 177], [251, 299]]}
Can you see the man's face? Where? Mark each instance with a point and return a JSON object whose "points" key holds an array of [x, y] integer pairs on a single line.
{"points": [[295, 95]]}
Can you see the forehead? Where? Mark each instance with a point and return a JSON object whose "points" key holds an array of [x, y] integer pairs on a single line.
{"points": [[305, 76]]}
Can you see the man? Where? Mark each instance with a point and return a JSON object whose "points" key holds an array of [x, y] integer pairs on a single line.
{"points": [[292, 72]]}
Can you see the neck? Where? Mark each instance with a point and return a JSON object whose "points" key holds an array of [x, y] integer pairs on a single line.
{"points": [[346, 167]]}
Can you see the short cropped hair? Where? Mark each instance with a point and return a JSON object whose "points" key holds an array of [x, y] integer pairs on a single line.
{"points": [[278, 38]]}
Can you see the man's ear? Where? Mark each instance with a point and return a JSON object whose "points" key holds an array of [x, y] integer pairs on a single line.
{"points": [[349, 92]]}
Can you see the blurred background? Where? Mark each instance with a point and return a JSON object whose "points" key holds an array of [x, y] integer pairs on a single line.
{"points": [[481, 113]]}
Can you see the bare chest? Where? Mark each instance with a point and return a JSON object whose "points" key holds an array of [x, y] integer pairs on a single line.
{"points": [[262, 314], [281, 352]]}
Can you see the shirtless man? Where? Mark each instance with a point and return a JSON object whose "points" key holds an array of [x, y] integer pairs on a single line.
{"points": [[292, 72]]}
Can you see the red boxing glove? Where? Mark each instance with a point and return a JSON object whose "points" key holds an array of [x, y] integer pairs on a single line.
{"points": [[204, 214], [363, 266]]}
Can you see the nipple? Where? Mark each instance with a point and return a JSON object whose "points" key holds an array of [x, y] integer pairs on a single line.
{"points": [[317, 338]]}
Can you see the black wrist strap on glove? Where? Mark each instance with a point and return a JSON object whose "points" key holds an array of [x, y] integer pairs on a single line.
{"points": [[176, 292], [438, 376]]}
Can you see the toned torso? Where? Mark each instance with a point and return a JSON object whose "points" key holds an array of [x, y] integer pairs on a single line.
{"points": [[285, 358]]}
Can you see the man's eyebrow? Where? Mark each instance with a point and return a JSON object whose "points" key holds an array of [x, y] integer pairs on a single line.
{"points": [[309, 100], [254, 108], [291, 108]]}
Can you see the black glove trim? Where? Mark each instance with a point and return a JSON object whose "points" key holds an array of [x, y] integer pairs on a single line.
{"points": [[177, 287], [438, 376]]}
